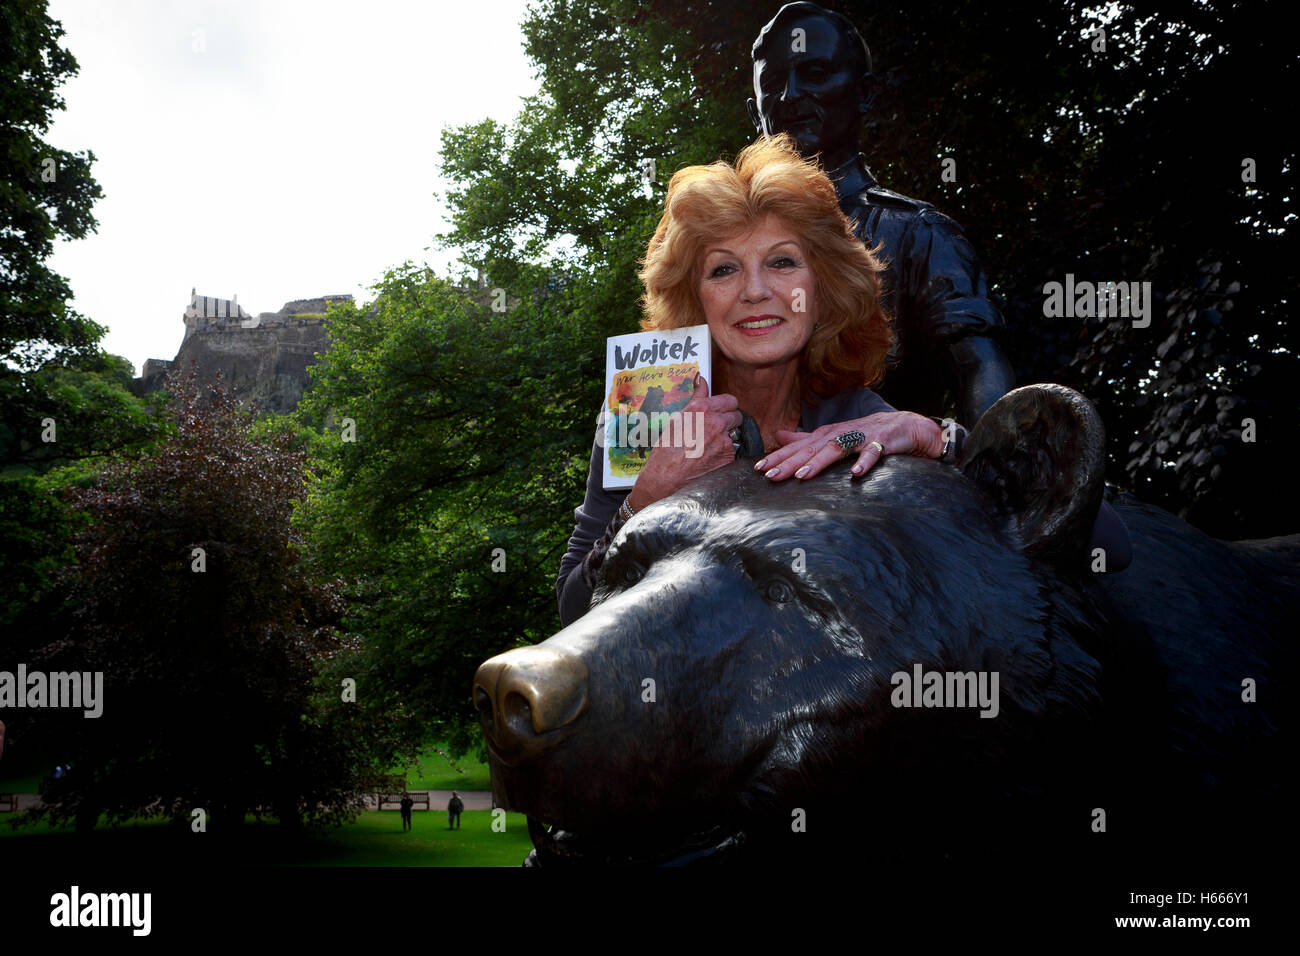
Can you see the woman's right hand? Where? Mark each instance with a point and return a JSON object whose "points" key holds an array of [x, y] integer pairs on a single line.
{"points": [[672, 463]]}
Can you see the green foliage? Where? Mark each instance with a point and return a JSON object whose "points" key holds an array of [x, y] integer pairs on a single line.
{"points": [[63, 401], [45, 193], [464, 443], [435, 770], [35, 529], [90, 403], [565, 182], [222, 679], [85, 405]]}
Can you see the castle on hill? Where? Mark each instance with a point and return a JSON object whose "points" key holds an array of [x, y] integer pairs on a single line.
{"points": [[264, 358]]}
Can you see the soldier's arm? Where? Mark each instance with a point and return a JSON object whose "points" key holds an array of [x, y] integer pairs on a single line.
{"points": [[944, 285], [982, 375]]}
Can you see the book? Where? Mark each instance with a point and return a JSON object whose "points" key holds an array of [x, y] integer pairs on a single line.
{"points": [[648, 377]]}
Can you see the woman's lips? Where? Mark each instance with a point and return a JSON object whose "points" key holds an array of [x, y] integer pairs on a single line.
{"points": [[759, 325]]}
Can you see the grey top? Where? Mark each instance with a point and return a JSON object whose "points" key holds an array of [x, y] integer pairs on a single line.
{"points": [[599, 508]]}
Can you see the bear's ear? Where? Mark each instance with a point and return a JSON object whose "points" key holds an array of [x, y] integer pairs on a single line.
{"points": [[1040, 451]]}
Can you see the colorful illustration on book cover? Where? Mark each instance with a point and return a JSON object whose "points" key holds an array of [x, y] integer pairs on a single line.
{"points": [[639, 405]]}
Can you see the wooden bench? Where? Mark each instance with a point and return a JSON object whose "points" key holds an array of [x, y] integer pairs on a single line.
{"points": [[393, 801]]}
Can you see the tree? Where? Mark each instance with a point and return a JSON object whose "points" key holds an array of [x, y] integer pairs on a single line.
{"points": [[443, 492], [73, 408], [63, 401], [47, 193], [222, 665]]}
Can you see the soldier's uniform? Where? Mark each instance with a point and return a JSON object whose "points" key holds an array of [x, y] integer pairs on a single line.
{"points": [[946, 354]]}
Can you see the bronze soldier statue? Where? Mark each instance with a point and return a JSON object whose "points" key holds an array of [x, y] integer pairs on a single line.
{"points": [[812, 76]]}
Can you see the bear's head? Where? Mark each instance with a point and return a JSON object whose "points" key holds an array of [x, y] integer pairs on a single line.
{"points": [[758, 650]]}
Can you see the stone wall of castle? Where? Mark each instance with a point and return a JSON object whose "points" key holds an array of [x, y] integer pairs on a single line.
{"points": [[264, 358], [267, 366]]}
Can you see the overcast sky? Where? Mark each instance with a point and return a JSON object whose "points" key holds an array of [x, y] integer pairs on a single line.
{"points": [[273, 149]]}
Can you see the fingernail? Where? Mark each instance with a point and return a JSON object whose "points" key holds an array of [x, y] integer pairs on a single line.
{"points": [[773, 473], [802, 471], [857, 469], [759, 466]]}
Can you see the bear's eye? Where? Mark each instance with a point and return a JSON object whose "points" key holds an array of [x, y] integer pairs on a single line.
{"points": [[632, 573], [777, 591]]}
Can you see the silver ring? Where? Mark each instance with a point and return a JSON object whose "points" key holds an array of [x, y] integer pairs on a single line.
{"points": [[849, 441], [734, 434]]}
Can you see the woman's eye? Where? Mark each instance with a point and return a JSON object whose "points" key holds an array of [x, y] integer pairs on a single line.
{"points": [[783, 262], [778, 592], [722, 270]]}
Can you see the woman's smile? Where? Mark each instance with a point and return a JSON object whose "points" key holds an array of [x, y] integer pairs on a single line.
{"points": [[759, 324]]}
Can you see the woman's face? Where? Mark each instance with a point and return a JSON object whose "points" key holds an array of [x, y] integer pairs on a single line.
{"points": [[757, 291]]}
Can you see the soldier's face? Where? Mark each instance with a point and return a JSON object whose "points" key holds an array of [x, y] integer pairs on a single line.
{"points": [[805, 85]]}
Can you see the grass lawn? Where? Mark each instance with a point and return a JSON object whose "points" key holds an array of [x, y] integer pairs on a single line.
{"points": [[434, 771], [24, 781], [374, 839], [22, 771]]}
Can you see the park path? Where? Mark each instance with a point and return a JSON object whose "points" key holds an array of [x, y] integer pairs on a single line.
{"points": [[473, 799], [438, 799]]}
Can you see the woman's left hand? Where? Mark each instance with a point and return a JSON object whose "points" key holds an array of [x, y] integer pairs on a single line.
{"points": [[804, 454]]}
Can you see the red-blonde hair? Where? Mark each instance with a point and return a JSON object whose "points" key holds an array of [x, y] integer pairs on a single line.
{"points": [[705, 203]]}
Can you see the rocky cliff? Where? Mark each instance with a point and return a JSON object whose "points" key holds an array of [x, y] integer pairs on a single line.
{"points": [[264, 359], [267, 366]]}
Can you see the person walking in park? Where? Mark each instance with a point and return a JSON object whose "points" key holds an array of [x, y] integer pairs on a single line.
{"points": [[454, 807], [407, 804]]}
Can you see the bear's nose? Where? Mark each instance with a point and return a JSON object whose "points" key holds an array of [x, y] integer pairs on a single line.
{"points": [[528, 692]]}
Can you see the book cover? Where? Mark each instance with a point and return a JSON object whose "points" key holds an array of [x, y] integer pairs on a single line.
{"points": [[648, 377]]}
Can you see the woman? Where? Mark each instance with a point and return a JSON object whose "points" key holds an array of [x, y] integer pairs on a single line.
{"points": [[761, 253]]}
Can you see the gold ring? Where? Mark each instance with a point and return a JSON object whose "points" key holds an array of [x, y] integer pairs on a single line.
{"points": [[879, 447]]}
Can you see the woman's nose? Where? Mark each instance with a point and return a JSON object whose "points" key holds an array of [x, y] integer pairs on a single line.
{"points": [[756, 287]]}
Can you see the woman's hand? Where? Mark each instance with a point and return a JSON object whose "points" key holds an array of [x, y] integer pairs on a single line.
{"points": [[804, 454], [672, 463]]}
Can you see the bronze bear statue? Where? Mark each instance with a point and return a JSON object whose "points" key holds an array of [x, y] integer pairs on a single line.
{"points": [[923, 657]]}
